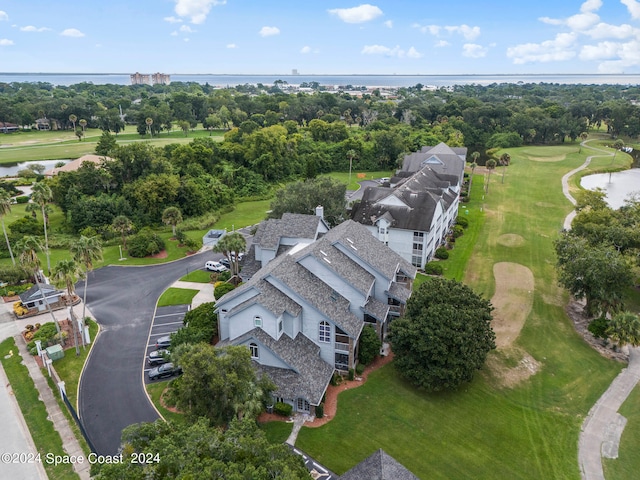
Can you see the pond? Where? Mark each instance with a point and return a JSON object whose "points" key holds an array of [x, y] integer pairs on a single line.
{"points": [[618, 185], [11, 169]]}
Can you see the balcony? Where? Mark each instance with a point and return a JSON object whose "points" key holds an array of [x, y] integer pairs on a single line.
{"points": [[342, 347]]}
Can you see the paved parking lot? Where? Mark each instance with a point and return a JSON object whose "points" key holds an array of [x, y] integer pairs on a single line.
{"points": [[166, 321]]}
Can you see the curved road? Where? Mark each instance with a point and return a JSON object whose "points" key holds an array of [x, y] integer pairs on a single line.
{"points": [[111, 393]]}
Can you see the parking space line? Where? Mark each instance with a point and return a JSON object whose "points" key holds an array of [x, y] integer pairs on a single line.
{"points": [[170, 314], [168, 323]]}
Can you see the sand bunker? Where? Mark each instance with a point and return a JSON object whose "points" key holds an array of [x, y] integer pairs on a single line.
{"points": [[556, 158], [510, 240], [512, 301]]}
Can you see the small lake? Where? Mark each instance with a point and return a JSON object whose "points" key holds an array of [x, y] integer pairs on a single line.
{"points": [[11, 169], [618, 185]]}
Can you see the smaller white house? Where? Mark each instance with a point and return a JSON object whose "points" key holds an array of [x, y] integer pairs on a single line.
{"points": [[33, 298], [414, 214]]}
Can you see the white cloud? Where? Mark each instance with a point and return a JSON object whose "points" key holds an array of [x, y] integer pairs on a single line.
{"points": [[231, 45], [558, 49], [72, 32], [606, 30], [5, 42], [551, 21], [600, 51], [31, 28], [305, 49], [360, 14], [174, 33], [413, 53], [633, 6], [582, 21], [469, 33], [390, 52], [196, 10], [388, 24], [442, 43], [473, 50], [591, 5], [186, 29], [186, 39], [269, 31], [172, 19], [4, 16]]}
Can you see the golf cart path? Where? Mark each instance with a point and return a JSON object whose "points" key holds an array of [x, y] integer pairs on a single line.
{"points": [[602, 428]]}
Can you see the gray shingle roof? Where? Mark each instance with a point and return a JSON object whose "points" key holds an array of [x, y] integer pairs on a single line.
{"points": [[309, 374], [420, 193], [453, 159], [399, 292], [355, 239], [379, 466], [376, 309], [34, 292], [270, 298], [317, 294], [294, 225]]}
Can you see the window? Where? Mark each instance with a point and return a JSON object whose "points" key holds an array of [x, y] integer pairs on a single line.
{"points": [[257, 321], [417, 248], [418, 236], [324, 334], [416, 261], [302, 405], [254, 350]]}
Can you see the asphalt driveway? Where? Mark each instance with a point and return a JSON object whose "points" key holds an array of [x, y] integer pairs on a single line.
{"points": [[111, 393]]}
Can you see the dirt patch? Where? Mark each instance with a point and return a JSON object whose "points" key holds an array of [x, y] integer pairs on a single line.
{"points": [[510, 367], [557, 158], [510, 240], [162, 254], [512, 301]]}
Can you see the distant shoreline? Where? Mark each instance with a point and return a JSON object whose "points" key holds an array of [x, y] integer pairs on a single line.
{"points": [[368, 80]]}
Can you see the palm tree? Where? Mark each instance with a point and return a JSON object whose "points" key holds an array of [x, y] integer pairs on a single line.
{"points": [[41, 195], [123, 226], [73, 119], [82, 123], [5, 207], [28, 248], [231, 245], [172, 216], [85, 251], [624, 328], [474, 163], [149, 122], [351, 154], [505, 159], [66, 273], [491, 164]]}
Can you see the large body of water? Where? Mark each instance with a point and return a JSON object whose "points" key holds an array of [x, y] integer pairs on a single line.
{"points": [[618, 185], [11, 169], [355, 80]]}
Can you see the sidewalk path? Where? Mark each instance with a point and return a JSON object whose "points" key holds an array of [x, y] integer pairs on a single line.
{"points": [[602, 429], [565, 182], [204, 295]]}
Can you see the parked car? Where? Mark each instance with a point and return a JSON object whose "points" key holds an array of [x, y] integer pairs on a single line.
{"points": [[225, 261], [163, 342], [166, 370], [158, 357], [214, 266]]}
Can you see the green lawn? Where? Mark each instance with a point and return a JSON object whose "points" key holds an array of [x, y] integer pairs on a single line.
{"points": [[485, 430], [155, 391], [277, 432], [46, 438], [52, 145], [354, 185], [176, 296], [70, 366], [198, 276], [627, 465]]}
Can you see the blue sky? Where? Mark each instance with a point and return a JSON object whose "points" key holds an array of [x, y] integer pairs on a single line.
{"points": [[320, 36]]}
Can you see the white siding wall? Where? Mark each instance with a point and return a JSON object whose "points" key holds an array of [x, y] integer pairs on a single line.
{"points": [[243, 321], [266, 356]]}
